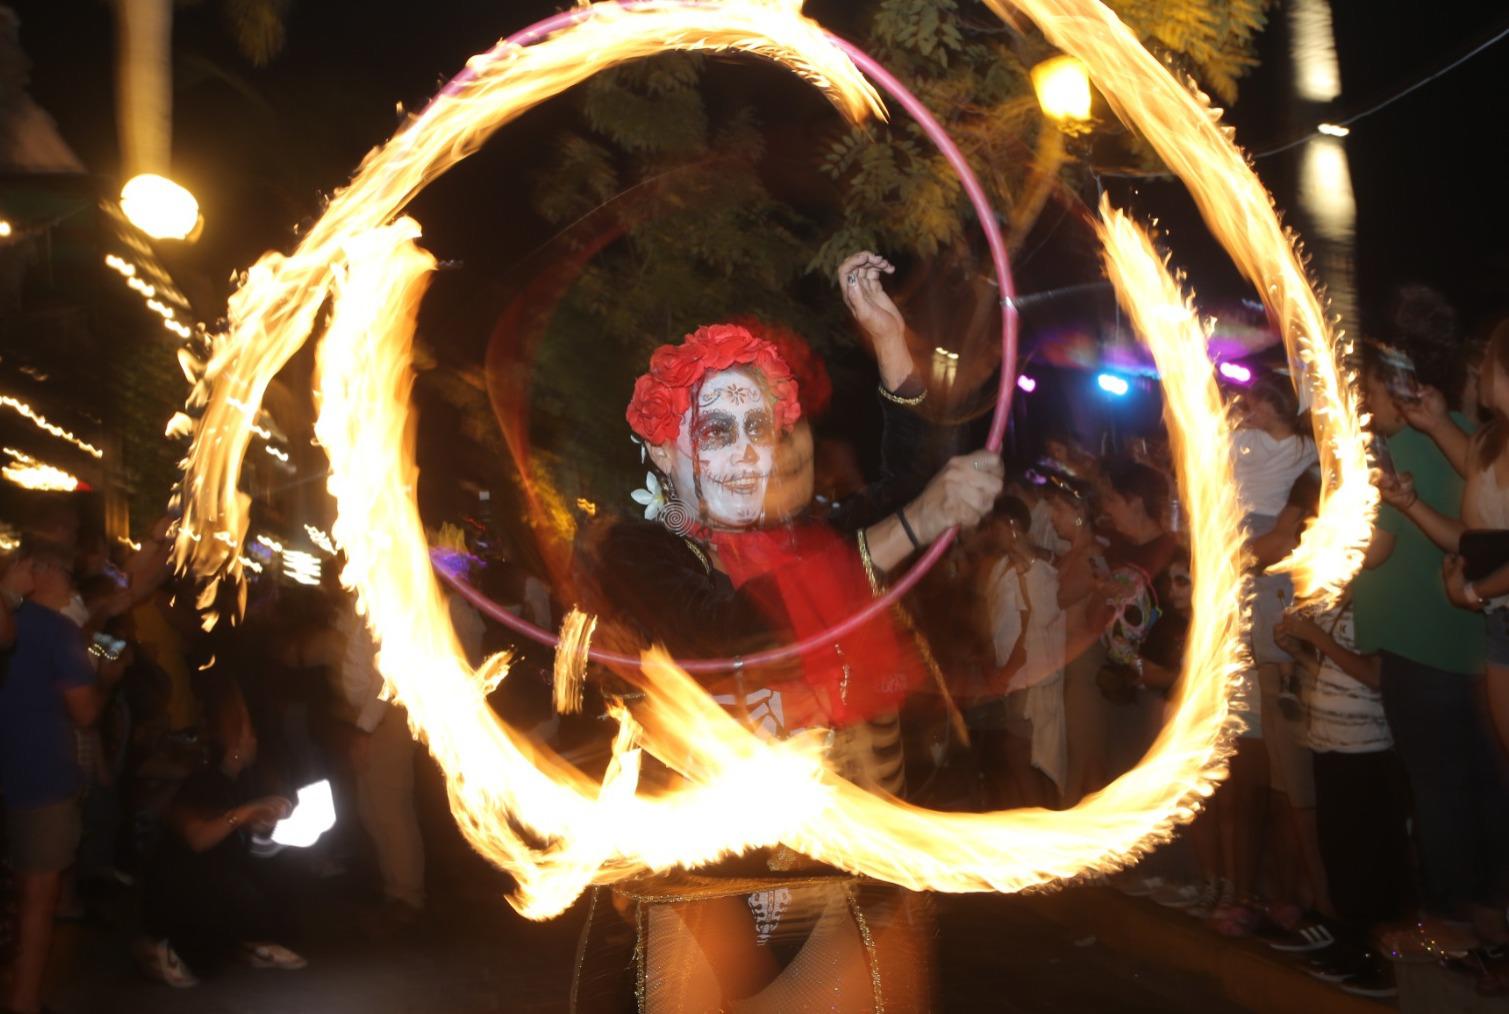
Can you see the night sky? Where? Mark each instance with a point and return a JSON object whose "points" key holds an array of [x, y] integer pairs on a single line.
{"points": [[259, 146]]}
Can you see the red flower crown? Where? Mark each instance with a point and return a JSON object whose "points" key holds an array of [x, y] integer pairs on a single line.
{"points": [[662, 396]]}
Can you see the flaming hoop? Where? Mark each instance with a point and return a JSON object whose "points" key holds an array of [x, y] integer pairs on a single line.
{"points": [[526, 809]]}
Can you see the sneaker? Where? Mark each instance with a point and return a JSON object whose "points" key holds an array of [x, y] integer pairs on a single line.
{"points": [[1429, 939], [159, 961], [1338, 963], [1374, 978], [1137, 886], [1173, 895], [392, 919], [1234, 920], [1209, 900], [1315, 936]]}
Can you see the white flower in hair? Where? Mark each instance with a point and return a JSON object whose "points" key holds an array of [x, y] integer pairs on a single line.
{"points": [[652, 497], [640, 444]]}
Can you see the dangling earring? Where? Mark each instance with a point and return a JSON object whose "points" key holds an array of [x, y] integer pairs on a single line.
{"points": [[674, 515]]}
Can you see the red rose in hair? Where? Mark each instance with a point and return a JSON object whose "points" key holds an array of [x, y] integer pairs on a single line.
{"points": [[655, 411], [674, 367], [663, 394]]}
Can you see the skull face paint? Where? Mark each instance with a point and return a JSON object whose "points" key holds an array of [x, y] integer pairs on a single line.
{"points": [[724, 451]]}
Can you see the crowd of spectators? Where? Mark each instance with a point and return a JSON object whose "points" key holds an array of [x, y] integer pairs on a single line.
{"points": [[141, 754], [1363, 819]]}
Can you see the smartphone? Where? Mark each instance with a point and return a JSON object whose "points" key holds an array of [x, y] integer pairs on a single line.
{"points": [[1400, 378], [312, 816]]}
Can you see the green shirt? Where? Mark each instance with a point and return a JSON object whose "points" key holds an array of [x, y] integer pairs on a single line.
{"points": [[1400, 606]]}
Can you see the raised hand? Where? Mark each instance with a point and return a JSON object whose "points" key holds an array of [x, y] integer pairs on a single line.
{"points": [[859, 281], [1397, 491], [961, 494], [1428, 414]]}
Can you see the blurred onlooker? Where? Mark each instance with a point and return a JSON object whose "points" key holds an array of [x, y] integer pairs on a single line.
{"points": [[1431, 659], [1270, 456], [1361, 800], [207, 896], [1020, 725], [160, 630], [382, 755], [1135, 498], [50, 689], [1482, 459], [1082, 593]]}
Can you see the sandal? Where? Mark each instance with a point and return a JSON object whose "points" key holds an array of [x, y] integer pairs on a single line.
{"points": [[1427, 940], [159, 961], [1234, 920], [1488, 967], [270, 955]]}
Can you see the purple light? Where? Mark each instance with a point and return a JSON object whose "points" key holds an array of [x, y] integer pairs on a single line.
{"points": [[1026, 383], [1235, 372]]}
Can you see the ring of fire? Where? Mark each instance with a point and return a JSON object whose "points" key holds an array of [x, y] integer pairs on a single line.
{"points": [[527, 810]]}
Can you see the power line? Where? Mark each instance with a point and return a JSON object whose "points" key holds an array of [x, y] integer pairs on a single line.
{"points": [[1346, 123]]}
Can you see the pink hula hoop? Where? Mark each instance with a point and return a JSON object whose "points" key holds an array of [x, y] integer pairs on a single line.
{"points": [[893, 88]]}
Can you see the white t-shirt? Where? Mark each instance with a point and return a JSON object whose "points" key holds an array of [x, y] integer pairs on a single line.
{"points": [[1046, 627], [1004, 599], [1345, 715], [1265, 469]]}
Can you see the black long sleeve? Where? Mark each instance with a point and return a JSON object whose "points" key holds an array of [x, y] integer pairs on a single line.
{"points": [[905, 468]]}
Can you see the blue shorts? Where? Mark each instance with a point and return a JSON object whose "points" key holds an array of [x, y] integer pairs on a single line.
{"points": [[1272, 594], [1497, 621]]}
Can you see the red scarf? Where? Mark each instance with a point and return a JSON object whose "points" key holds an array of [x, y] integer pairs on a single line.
{"points": [[818, 582]]}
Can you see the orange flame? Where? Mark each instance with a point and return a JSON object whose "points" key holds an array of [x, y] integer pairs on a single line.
{"points": [[1186, 132], [524, 807]]}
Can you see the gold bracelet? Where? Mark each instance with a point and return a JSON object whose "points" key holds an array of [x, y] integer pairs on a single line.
{"points": [[869, 564], [898, 399]]}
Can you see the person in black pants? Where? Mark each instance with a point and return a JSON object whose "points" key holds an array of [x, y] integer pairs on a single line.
{"points": [[207, 895]]}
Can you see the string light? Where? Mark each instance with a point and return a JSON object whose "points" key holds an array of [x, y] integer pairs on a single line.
{"points": [[41, 423], [29, 473], [305, 568], [1332, 130], [272, 544], [148, 292], [280, 455], [5, 228], [320, 539]]}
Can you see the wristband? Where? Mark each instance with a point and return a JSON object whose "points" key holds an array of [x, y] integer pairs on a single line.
{"points": [[910, 384], [906, 526]]}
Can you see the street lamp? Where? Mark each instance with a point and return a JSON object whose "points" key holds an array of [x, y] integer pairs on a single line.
{"points": [[1063, 91], [159, 207]]}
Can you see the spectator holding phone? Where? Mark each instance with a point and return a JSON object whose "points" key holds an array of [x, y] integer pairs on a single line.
{"points": [[1430, 661], [50, 690], [1485, 506], [207, 896]]}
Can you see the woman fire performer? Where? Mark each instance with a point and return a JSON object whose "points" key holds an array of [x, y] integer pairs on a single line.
{"points": [[731, 559]]}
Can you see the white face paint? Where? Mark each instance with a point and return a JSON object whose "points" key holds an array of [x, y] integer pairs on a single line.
{"points": [[733, 445]]}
